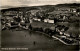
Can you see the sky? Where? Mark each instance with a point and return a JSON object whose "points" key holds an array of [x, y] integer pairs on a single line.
{"points": [[16, 3]]}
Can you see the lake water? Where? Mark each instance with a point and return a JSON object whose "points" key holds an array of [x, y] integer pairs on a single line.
{"points": [[26, 38]]}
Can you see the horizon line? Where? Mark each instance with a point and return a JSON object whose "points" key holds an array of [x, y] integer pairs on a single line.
{"points": [[31, 5]]}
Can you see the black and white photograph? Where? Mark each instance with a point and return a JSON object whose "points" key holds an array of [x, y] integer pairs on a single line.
{"points": [[40, 25]]}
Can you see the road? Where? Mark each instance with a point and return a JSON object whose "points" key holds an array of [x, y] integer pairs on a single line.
{"points": [[26, 38]]}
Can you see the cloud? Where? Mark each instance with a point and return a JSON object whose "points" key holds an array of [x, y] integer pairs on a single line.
{"points": [[35, 2], [9, 3]]}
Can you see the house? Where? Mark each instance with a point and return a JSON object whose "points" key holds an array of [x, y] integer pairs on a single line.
{"points": [[45, 20], [50, 21], [61, 33], [61, 28], [66, 34], [63, 36], [73, 10], [36, 19]]}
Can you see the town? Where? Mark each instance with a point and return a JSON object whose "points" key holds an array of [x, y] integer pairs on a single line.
{"points": [[59, 22]]}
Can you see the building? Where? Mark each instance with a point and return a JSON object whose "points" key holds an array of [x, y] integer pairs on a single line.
{"points": [[46, 20], [37, 19], [50, 21]]}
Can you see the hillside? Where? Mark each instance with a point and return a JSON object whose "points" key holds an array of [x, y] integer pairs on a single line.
{"points": [[46, 8]]}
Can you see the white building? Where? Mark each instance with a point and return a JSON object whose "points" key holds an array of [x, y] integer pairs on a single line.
{"points": [[45, 20], [36, 19], [49, 20]]}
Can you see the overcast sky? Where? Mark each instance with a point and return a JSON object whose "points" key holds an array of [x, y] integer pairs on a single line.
{"points": [[18, 3]]}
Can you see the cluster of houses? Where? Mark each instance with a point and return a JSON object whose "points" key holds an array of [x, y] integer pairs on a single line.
{"points": [[61, 14], [45, 20]]}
